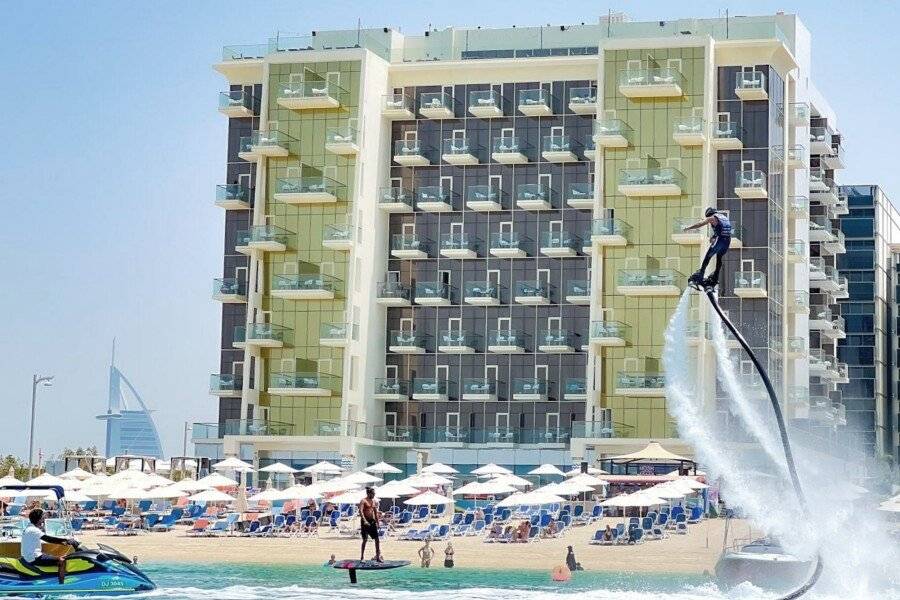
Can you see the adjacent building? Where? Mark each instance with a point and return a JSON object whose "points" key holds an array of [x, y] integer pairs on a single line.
{"points": [[465, 246]]}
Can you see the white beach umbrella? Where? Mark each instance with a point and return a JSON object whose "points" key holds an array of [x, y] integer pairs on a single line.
{"points": [[587, 479], [76, 496], [427, 480], [382, 468], [428, 499], [278, 468], [567, 488], [211, 496], [156, 480], [232, 463], [692, 483], [269, 495], [492, 487], [129, 475], [191, 485], [395, 489], [40, 493], [46, 479], [332, 486], [10, 480], [439, 469], [636, 499], [166, 492], [546, 470], [349, 497], [323, 468], [533, 498], [131, 493], [299, 492], [217, 480], [666, 492], [590, 471], [470, 489], [76, 473], [361, 478], [513, 480], [491, 469]]}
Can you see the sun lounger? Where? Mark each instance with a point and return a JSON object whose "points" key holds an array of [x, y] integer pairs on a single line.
{"points": [[681, 523], [200, 526], [696, 515]]}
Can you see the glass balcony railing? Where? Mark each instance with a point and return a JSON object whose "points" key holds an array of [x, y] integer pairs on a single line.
{"points": [[527, 192], [689, 130], [557, 337], [610, 227], [750, 183], [796, 156], [410, 242], [456, 340], [458, 148], [648, 278], [665, 176], [820, 140], [484, 195], [799, 300], [533, 289], [507, 241], [482, 290], [266, 142], [507, 338], [799, 113], [393, 290], [578, 288], [333, 332], [798, 206], [396, 196], [391, 386], [580, 192], [343, 135], [303, 381], [233, 194], [407, 339], [459, 241], [796, 250], [535, 101], [749, 81], [679, 223], [432, 291], [575, 387], [749, 282], [411, 153], [727, 135], [433, 194], [337, 233], [485, 103], [257, 427], [653, 82], [556, 143], [507, 145], [429, 386], [300, 94], [560, 242], [206, 431], [796, 345], [613, 133], [229, 286], [263, 234], [236, 103], [225, 383], [436, 104], [609, 330], [626, 381], [479, 386], [399, 105], [530, 388], [261, 333], [583, 99], [305, 282], [309, 186]]}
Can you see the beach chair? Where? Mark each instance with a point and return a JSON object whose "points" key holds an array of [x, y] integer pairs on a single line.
{"points": [[457, 519], [476, 528], [468, 518], [405, 519], [659, 532], [144, 505], [621, 536], [696, 515], [597, 540], [596, 514], [676, 510], [577, 512], [167, 522], [536, 520], [199, 528], [218, 528], [662, 519], [263, 531], [681, 523], [439, 510], [533, 535], [488, 518], [442, 532], [278, 525], [647, 525], [635, 535], [254, 527], [149, 521], [459, 530], [334, 519]]}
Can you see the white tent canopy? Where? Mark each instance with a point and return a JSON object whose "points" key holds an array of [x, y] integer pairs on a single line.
{"points": [[232, 463], [653, 451], [491, 469], [546, 470], [428, 499], [278, 468], [439, 469], [382, 468]]}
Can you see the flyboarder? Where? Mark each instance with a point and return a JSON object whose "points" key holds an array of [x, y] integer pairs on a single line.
{"points": [[719, 243]]}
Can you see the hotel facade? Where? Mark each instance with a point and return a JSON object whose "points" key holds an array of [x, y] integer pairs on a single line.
{"points": [[465, 246]]}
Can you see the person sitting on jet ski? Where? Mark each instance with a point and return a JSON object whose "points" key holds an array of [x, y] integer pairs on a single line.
{"points": [[719, 243], [34, 534]]}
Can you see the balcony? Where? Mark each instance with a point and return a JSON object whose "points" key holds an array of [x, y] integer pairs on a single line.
{"points": [[507, 341], [481, 293], [205, 431], [798, 302], [612, 133], [583, 100], [338, 236], [432, 390], [798, 207], [590, 149], [556, 341], [308, 190], [308, 95], [395, 200], [820, 230], [265, 238], [796, 251], [304, 286], [458, 152], [508, 244], [407, 342], [580, 195], [836, 245], [689, 131], [459, 245], [693, 237], [638, 183], [796, 157], [479, 389], [393, 293], [575, 388], [225, 385], [232, 197], [436, 105], [798, 114], [455, 341], [821, 410], [610, 232], [559, 244], [257, 427], [651, 83], [303, 384], [410, 153], [843, 291], [837, 331], [534, 196], [409, 246], [750, 185], [750, 85], [750, 284], [835, 158], [230, 290], [843, 376], [557, 149], [821, 364], [343, 141], [508, 150], [485, 104], [397, 107], [533, 292], [529, 389], [820, 140], [433, 293], [839, 208], [392, 389], [796, 348], [822, 188], [269, 144], [644, 282], [434, 199], [697, 332], [640, 385], [535, 103], [260, 335], [333, 335], [821, 319], [578, 291], [609, 333], [726, 136], [236, 104], [483, 198]]}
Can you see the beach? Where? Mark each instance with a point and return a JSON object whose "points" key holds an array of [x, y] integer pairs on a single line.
{"points": [[693, 553]]}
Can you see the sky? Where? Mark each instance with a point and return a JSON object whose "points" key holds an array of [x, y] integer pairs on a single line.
{"points": [[114, 148]]}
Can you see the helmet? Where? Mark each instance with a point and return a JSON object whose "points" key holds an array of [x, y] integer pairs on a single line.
{"points": [[710, 212]]}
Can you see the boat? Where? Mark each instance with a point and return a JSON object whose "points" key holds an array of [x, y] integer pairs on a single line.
{"points": [[763, 563]]}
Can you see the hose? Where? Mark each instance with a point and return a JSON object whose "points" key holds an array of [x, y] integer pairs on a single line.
{"points": [[785, 442]]}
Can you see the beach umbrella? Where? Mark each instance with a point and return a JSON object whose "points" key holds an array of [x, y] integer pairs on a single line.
{"points": [[10, 480], [299, 492], [546, 470], [361, 478], [693, 483], [232, 463], [76, 496], [491, 487], [156, 480], [567, 488], [439, 469], [132, 493], [349, 497], [191, 485], [332, 486], [512, 480], [382, 468], [268, 495], [428, 499], [590, 471], [395, 489], [278, 468], [323, 468], [166, 492], [217, 480], [666, 492], [587, 479], [533, 498], [23, 493], [211, 496], [491, 469], [637, 499], [427, 480], [76, 473], [46, 479]]}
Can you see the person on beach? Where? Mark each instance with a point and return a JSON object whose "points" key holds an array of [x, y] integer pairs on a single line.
{"points": [[31, 551], [608, 533], [426, 553], [448, 555], [331, 561], [368, 524], [571, 563], [719, 244], [496, 531]]}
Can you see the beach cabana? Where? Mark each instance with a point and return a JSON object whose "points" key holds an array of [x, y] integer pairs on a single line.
{"points": [[653, 453], [439, 469], [382, 468]]}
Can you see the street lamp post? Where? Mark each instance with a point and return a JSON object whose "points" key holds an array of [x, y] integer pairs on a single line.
{"points": [[46, 381]]}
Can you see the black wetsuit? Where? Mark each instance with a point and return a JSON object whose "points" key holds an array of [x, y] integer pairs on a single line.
{"points": [[722, 242]]}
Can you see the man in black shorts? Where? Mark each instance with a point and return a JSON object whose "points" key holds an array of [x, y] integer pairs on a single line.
{"points": [[368, 524]]}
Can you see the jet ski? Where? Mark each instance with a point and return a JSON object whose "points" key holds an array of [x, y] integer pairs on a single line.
{"points": [[97, 571]]}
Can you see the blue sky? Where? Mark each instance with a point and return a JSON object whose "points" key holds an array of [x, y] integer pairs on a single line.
{"points": [[114, 148]]}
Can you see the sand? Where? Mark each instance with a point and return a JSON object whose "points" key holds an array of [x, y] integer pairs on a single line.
{"points": [[693, 553]]}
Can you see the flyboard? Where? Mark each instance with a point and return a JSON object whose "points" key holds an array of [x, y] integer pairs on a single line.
{"points": [[352, 566], [710, 290]]}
